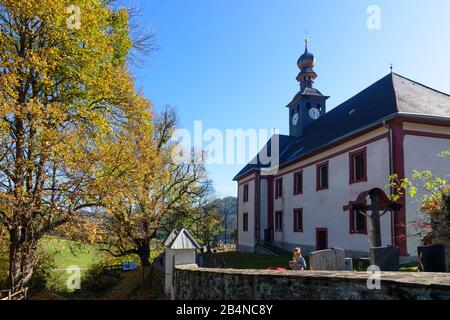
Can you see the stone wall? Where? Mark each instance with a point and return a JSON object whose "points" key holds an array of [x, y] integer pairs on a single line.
{"points": [[157, 278], [194, 283]]}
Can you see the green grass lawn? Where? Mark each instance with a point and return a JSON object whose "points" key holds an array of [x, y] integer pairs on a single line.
{"points": [[240, 260], [66, 253]]}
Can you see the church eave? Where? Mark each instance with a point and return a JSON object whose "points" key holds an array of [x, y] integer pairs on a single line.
{"points": [[300, 95]]}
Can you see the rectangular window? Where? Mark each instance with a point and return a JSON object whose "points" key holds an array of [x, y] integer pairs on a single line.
{"points": [[298, 182], [358, 222], [245, 222], [298, 220], [358, 166], [245, 192], [279, 188], [322, 176], [279, 221]]}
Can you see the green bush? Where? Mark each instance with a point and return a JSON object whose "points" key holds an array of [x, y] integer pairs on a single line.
{"points": [[97, 281], [43, 275], [4, 260]]}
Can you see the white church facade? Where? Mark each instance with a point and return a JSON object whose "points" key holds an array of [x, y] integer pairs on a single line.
{"points": [[394, 126]]}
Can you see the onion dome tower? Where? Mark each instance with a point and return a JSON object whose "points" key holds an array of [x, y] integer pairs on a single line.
{"points": [[309, 104], [306, 63]]}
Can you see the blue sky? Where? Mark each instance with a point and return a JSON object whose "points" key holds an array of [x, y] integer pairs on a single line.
{"points": [[232, 63]]}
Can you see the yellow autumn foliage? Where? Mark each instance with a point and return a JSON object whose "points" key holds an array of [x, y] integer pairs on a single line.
{"points": [[435, 204], [74, 132]]}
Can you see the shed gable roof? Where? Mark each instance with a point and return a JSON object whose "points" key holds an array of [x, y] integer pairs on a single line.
{"points": [[183, 240]]}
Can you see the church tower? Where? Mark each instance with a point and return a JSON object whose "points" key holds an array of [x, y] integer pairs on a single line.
{"points": [[309, 104]]}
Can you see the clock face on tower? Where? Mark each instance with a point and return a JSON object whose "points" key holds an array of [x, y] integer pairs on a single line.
{"points": [[295, 119], [314, 113]]}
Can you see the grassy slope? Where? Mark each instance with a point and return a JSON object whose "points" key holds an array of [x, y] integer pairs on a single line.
{"points": [[66, 253]]}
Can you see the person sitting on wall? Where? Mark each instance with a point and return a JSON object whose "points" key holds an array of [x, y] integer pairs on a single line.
{"points": [[298, 262]]}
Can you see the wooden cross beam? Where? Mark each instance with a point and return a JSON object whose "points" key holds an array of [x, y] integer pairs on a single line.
{"points": [[380, 205]]}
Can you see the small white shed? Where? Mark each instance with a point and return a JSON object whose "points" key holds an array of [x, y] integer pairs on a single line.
{"points": [[181, 247], [170, 238]]}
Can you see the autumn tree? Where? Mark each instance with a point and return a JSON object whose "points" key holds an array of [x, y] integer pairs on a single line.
{"points": [[433, 194], [205, 223], [133, 219], [70, 118]]}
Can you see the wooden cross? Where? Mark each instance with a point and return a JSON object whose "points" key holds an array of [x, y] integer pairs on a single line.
{"points": [[378, 210]]}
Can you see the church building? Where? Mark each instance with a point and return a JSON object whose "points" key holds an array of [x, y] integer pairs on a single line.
{"points": [[394, 126]]}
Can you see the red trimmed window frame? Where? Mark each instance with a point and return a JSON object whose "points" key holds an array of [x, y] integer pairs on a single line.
{"points": [[352, 156], [279, 221], [319, 167], [298, 216], [279, 188], [245, 222], [298, 175], [318, 230], [352, 224], [245, 196]]}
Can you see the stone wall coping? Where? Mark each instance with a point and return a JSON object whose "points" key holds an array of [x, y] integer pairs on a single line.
{"points": [[431, 279]]}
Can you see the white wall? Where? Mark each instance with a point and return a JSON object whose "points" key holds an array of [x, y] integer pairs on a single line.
{"points": [[263, 207], [420, 154], [174, 258], [323, 209], [246, 240]]}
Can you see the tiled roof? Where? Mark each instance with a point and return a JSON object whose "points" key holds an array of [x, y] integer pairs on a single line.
{"points": [[391, 95]]}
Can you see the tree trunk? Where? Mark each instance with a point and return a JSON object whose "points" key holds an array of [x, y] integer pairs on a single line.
{"points": [[144, 253], [144, 256], [22, 259]]}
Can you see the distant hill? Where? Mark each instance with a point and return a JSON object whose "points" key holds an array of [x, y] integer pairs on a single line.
{"points": [[228, 209]]}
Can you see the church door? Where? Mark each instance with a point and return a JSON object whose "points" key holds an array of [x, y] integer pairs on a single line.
{"points": [[321, 238]]}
